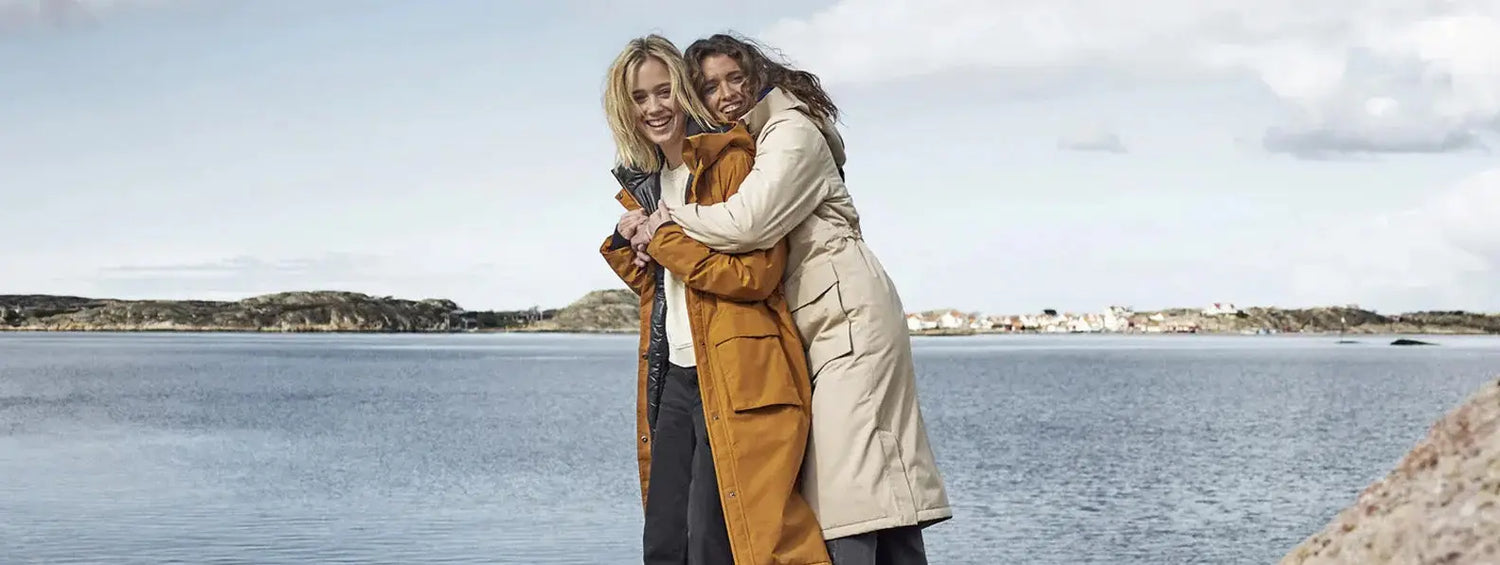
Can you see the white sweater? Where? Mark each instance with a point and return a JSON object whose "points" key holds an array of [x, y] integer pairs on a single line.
{"points": [[679, 331]]}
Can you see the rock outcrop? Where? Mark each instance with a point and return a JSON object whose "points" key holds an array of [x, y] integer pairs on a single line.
{"points": [[1441, 504], [598, 311], [322, 311]]}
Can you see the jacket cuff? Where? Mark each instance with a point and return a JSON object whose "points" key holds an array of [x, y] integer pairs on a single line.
{"points": [[618, 242]]}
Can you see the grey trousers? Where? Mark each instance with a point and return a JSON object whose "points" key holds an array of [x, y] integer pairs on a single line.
{"points": [[684, 518], [896, 546]]}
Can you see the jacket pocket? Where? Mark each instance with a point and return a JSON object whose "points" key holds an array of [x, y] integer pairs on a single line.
{"points": [[817, 303], [749, 357]]}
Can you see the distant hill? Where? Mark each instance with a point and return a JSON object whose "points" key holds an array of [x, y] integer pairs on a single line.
{"points": [[1334, 319], [616, 310], [318, 311]]}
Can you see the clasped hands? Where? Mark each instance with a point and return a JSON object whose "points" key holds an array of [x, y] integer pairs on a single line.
{"points": [[639, 228]]}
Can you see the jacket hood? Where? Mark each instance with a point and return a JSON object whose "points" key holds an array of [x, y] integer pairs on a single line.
{"points": [[776, 101]]}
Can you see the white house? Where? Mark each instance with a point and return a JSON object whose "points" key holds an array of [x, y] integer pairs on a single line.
{"points": [[1079, 325], [953, 320], [1116, 319]]}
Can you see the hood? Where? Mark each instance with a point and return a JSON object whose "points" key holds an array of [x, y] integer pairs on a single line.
{"points": [[776, 101]]}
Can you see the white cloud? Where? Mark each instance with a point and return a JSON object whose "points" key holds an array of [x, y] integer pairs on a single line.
{"points": [[244, 276], [1096, 140], [25, 14], [1429, 70], [1442, 254]]}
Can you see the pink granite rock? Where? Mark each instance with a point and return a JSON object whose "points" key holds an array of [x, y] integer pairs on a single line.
{"points": [[1440, 505]]}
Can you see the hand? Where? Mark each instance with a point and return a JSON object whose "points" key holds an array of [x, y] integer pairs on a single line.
{"points": [[654, 222], [639, 243], [630, 222], [642, 259]]}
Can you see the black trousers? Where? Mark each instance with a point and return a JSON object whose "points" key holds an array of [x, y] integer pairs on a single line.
{"points": [[896, 546], [684, 517]]}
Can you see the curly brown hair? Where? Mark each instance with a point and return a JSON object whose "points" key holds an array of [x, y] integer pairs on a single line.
{"points": [[762, 71]]}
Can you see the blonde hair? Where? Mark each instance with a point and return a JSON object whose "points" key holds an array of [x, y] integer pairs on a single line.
{"points": [[632, 148]]}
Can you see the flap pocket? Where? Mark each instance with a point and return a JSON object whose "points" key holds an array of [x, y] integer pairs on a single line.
{"points": [[833, 342], [751, 359], [757, 373], [816, 297], [740, 319], [809, 284]]}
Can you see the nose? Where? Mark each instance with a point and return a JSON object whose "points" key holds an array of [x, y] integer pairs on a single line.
{"points": [[654, 105]]}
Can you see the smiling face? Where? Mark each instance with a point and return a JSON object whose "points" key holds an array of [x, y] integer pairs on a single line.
{"points": [[725, 87], [657, 112], [648, 102]]}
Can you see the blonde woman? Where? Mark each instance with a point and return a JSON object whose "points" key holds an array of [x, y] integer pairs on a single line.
{"points": [[723, 389]]}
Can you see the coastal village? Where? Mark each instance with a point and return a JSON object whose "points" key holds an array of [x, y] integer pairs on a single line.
{"points": [[1115, 319]]}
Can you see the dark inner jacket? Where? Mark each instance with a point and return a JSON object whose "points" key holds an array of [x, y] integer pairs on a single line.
{"points": [[645, 187]]}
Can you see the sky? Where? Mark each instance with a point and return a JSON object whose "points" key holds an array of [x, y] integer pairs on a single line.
{"points": [[1006, 156]]}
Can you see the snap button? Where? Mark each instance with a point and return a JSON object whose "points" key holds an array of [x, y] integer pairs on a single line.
{"points": [[644, 439]]}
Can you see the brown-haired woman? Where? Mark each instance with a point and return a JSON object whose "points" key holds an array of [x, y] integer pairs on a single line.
{"points": [[723, 393], [870, 474]]}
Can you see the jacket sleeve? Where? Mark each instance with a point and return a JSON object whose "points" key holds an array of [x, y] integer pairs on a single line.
{"points": [[621, 258], [746, 277], [785, 186]]}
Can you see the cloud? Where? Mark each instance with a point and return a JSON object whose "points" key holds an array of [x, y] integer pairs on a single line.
{"points": [[1419, 76], [1100, 140], [1332, 142], [1442, 254], [18, 15], [240, 277]]}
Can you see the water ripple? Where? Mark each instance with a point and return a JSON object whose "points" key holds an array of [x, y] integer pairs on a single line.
{"points": [[488, 449]]}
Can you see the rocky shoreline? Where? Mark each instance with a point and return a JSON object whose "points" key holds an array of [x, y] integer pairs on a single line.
{"points": [[617, 311], [1440, 504], [322, 311]]}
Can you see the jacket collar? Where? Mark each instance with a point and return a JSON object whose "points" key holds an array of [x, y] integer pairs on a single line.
{"points": [[776, 101], [773, 102], [703, 150], [704, 145], [642, 188]]}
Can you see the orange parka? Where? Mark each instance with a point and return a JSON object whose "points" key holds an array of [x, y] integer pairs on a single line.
{"points": [[752, 370]]}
